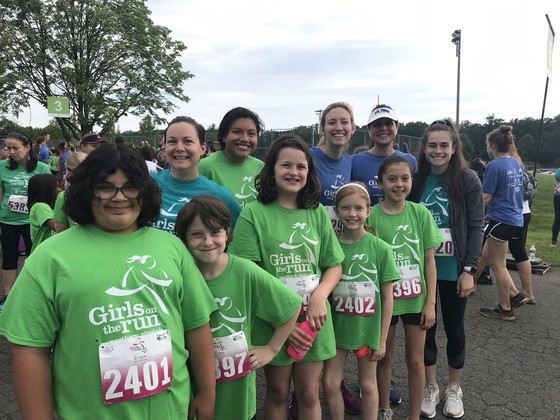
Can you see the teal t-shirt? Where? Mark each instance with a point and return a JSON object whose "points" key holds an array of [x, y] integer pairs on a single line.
{"points": [[129, 288], [409, 234], [238, 178], [244, 292], [38, 215], [296, 246], [13, 183], [434, 198], [356, 300], [175, 193]]}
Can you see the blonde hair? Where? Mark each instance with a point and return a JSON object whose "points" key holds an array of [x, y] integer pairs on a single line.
{"points": [[74, 160]]}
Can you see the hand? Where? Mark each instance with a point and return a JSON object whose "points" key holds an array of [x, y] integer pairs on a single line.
{"points": [[261, 356], [465, 285], [377, 355], [316, 312], [202, 406], [428, 316], [299, 338]]}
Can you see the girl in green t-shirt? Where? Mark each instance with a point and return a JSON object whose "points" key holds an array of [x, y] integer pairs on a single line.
{"points": [[412, 233], [362, 302], [41, 196], [244, 292]]}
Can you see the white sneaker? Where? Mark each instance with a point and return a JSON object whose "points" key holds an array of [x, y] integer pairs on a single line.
{"points": [[385, 414], [453, 401], [430, 401]]}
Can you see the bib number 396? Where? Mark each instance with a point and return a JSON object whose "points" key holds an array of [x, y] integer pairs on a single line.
{"points": [[135, 367]]}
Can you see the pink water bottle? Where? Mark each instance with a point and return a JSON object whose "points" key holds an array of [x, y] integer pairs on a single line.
{"points": [[296, 352]]}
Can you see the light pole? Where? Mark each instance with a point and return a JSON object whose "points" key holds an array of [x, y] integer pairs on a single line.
{"points": [[456, 39], [319, 112]]}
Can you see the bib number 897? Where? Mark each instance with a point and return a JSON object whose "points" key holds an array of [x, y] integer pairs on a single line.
{"points": [[230, 367], [140, 379]]}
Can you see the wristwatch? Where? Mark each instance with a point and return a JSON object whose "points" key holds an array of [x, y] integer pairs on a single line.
{"points": [[469, 269]]}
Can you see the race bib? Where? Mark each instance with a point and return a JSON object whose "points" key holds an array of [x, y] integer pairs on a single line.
{"points": [[445, 248], [231, 357], [135, 367], [18, 203], [336, 222], [410, 283], [355, 298], [303, 286]]}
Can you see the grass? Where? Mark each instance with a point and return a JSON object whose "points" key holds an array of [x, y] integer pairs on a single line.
{"points": [[542, 216]]}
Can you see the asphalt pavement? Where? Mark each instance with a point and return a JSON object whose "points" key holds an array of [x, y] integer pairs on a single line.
{"points": [[512, 369]]}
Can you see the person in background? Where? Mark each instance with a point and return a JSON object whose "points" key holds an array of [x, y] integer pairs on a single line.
{"points": [[42, 190], [383, 126], [233, 166], [453, 194], [119, 140], [185, 141], [90, 142], [556, 202], [4, 152], [14, 214], [502, 186], [53, 161], [129, 322], [42, 149], [62, 220]]}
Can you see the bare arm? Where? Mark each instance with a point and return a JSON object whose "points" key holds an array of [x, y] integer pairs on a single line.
{"points": [[51, 224], [386, 315], [60, 227], [317, 308], [32, 376], [261, 356], [486, 198], [201, 363], [428, 316]]}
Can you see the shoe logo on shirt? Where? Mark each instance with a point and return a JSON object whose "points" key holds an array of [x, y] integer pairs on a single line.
{"points": [[169, 212], [227, 314], [157, 276], [436, 202], [404, 238], [247, 189], [360, 268]]}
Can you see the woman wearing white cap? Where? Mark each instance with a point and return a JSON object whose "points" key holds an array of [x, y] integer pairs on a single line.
{"points": [[383, 126]]}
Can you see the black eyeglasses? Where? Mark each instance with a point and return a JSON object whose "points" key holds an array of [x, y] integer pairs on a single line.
{"points": [[109, 191]]}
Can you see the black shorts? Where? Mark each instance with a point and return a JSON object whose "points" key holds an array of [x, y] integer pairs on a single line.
{"points": [[502, 232], [407, 319]]}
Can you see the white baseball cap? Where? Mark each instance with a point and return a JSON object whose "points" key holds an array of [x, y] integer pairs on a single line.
{"points": [[383, 112]]}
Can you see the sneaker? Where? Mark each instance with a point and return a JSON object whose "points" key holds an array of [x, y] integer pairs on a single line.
{"points": [[292, 408], [395, 395], [553, 244], [453, 402], [485, 277], [352, 405], [430, 401], [2, 302], [385, 414], [517, 301], [498, 312]]}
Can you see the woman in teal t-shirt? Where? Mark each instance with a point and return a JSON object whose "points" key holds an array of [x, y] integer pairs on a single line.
{"points": [[14, 214]]}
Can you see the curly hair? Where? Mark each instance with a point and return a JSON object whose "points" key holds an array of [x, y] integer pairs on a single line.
{"points": [[105, 160], [265, 183]]}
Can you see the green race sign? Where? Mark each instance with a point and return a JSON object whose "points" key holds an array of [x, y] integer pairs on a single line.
{"points": [[58, 106]]}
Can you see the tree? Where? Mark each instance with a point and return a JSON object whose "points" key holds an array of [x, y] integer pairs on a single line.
{"points": [[147, 126], [107, 57]]}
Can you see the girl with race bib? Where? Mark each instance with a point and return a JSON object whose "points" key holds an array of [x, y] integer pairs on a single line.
{"points": [[244, 292], [289, 234], [362, 302], [116, 314], [453, 194], [15, 172], [410, 230]]}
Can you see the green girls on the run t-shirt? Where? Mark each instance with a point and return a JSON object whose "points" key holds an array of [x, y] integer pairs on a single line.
{"points": [[409, 234], [296, 246], [115, 308], [356, 300], [244, 293], [38, 215]]}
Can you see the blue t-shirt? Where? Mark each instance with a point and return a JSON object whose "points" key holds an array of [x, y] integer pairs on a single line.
{"points": [[177, 192], [62, 162], [365, 167], [503, 179], [44, 154]]}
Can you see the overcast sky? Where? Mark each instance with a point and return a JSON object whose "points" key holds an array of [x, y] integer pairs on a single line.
{"points": [[287, 59]]}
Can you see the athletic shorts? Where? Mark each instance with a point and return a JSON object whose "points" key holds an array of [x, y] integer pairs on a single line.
{"points": [[407, 319], [501, 231]]}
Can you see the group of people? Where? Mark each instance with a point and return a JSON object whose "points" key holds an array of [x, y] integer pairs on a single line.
{"points": [[163, 292]]}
